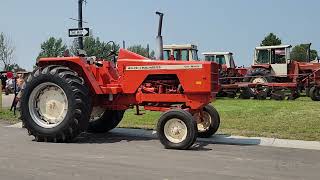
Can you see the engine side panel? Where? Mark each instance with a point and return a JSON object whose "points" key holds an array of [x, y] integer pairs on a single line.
{"points": [[195, 77]]}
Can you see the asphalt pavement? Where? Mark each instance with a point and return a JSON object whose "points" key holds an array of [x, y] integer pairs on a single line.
{"points": [[121, 156]]}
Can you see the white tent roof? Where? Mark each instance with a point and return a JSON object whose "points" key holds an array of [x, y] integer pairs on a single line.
{"points": [[180, 46], [217, 53], [273, 47]]}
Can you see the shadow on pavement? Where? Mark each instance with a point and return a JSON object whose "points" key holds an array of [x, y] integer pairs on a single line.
{"points": [[110, 137], [200, 145], [229, 140]]}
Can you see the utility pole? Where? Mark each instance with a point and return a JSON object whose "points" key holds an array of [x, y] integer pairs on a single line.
{"points": [[80, 20]]}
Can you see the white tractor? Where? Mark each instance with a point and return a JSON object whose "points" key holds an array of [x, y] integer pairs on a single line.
{"points": [[273, 58], [272, 64], [181, 52], [225, 59]]}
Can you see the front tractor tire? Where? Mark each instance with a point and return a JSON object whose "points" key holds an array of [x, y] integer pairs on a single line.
{"points": [[55, 104], [108, 120], [177, 129], [209, 123]]}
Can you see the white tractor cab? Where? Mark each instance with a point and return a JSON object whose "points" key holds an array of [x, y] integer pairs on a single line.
{"points": [[182, 52], [275, 58], [222, 58]]}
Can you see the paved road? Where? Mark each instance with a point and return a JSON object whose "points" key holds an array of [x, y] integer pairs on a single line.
{"points": [[117, 156]]}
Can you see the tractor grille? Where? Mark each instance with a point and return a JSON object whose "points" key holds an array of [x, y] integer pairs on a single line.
{"points": [[214, 78]]}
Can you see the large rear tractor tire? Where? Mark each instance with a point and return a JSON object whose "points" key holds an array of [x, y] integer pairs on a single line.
{"points": [[106, 122], [55, 104], [315, 93], [177, 129], [209, 123], [256, 76]]}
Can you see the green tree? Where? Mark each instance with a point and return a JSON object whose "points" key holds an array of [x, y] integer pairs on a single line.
{"points": [[143, 51], [300, 53], [271, 40], [6, 51], [15, 67], [94, 47], [52, 48]]}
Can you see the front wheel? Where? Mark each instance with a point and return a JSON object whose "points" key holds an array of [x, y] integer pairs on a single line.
{"points": [[209, 123], [177, 129]]}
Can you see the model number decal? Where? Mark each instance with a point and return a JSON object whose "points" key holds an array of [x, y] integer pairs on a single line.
{"points": [[164, 67]]}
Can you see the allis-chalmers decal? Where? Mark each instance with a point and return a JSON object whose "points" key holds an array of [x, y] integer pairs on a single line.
{"points": [[164, 67]]}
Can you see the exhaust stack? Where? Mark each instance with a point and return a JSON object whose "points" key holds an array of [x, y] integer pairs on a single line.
{"points": [[309, 52], [159, 47]]}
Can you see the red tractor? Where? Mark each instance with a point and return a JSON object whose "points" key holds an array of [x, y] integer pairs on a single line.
{"points": [[68, 95], [273, 73], [229, 73]]}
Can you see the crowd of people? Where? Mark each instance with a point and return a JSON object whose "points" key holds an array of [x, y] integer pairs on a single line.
{"points": [[13, 84], [10, 83]]}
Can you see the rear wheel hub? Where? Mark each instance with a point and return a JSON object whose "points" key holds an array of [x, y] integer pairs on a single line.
{"points": [[48, 105], [175, 130], [259, 80]]}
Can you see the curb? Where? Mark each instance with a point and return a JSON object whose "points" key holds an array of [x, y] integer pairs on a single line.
{"points": [[223, 139], [17, 125], [233, 140]]}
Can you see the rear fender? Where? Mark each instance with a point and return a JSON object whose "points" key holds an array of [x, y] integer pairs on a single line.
{"points": [[77, 64], [242, 71], [264, 66]]}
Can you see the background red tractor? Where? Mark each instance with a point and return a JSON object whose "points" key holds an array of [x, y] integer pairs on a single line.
{"points": [[229, 72], [68, 95], [274, 73]]}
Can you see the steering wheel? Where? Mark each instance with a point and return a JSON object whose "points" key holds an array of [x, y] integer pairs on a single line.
{"points": [[113, 51]]}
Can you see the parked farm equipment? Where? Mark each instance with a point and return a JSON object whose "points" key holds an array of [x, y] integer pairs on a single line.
{"points": [[229, 73], [64, 92], [273, 73]]}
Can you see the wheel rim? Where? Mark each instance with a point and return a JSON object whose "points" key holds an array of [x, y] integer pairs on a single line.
{"points": [[48, 105], [258, 80], [175, 130], [204, 122]]}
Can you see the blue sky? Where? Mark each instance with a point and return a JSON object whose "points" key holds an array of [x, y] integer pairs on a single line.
{"points": [[228, 25]]}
